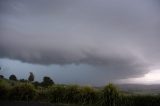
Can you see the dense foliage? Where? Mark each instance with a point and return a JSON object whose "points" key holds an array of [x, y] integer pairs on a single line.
{"points": [[22, 92], [47, 81], [13, 77], [31, 77], [73, 94], [109, 96]]}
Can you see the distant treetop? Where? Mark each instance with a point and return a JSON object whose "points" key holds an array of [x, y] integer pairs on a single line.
{"points": [[13, 77], [31, 77]]}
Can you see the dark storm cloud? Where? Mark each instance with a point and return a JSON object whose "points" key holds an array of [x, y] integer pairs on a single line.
{"points": [[118, 37]]}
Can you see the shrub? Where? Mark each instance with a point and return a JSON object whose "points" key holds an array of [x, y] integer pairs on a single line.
{"points": [[42, 94], [71, 94], [47, 81], [23, 80], [109, 96], [56, 93], [22, 92], [88, 95], [36, 84], [3, 91], [1, 77], [13, 77]]}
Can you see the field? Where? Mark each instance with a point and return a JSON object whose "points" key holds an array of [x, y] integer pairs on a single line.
{"points": [[22, 103], [28, 94]]}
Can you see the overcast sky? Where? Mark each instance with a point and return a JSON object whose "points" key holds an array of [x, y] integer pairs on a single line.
{"points": [[80, 41]]}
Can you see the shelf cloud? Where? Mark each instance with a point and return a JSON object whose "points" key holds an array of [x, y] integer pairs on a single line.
{"points": [[116, 37]]}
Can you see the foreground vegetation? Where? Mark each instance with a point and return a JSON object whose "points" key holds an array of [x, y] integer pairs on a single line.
{"points": [[72, 94]]}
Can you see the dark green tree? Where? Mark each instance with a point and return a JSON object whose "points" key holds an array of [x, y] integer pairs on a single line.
{"points": [[47, 81], [1, 77], [31, 77], [13, 77]]}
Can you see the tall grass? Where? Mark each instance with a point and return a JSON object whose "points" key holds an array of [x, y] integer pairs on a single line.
{"points": [[22, 92], [109, 96], [88, 95], [73, 94], [56, 94], [4, 89]]}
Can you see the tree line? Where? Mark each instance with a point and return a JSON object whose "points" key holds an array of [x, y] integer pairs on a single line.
{"points": [[47, 81]]}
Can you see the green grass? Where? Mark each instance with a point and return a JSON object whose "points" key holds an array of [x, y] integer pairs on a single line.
{"points": [[73, 94]]}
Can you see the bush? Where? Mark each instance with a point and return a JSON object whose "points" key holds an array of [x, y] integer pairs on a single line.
{"points": [[56, 93], [42, 94], [3, 91], [141, 100], [88, 95], [109, 96], [22, 92], [13, 77], [36, 84], [23, 80], [47, 81], [71, 94], [1, 77]]}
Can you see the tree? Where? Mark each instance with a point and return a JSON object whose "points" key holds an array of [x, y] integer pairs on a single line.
{"points": [[13, 77], [31, 77], [47, 81], [1, 77]]}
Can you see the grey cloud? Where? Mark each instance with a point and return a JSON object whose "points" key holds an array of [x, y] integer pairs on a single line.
{"points": [[115, 37]]}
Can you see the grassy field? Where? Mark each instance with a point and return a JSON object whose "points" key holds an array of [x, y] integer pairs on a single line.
{"points": [[23, 103], [70, 94]]}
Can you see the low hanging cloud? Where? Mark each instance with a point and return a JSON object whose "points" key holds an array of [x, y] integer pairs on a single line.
{"points": [[117, 37]]}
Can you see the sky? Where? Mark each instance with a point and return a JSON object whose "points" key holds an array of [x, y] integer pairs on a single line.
{"points": [[86, 42]]}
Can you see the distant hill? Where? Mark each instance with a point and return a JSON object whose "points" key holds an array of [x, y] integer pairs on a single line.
{"points": [[140, 88]]}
